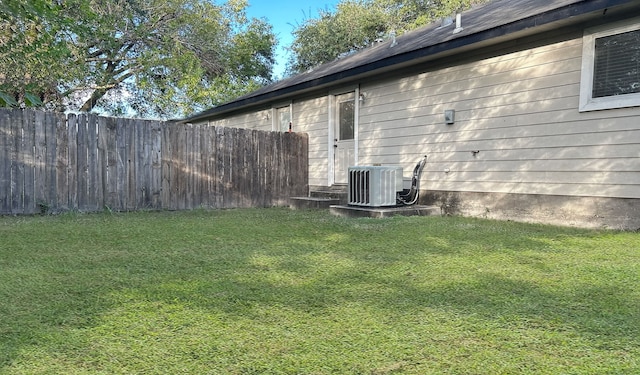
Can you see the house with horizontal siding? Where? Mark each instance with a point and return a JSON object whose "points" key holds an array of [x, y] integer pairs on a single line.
{"points": [[528, 110]]}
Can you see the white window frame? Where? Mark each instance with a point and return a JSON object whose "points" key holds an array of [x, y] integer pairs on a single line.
{"points": [[275, 120], [587, 102]]}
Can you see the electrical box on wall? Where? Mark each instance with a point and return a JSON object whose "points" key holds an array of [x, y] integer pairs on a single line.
{"points": [[449, 116]]}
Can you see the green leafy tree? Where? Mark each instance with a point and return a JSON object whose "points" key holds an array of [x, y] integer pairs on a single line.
{"points": [[163, 56], [34, 55], [153, 57], [356, 24], [352, 26]]}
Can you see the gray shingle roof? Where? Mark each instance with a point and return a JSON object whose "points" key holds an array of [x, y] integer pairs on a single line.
{"points": [[492, 21]]}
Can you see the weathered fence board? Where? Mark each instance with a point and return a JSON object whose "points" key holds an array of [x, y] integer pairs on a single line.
{"points": [[93, 172], [72, 171], [61, 200], [17, 166], [28, 163], [5, 161], [40, 157], [81, 163], [53, 162]]}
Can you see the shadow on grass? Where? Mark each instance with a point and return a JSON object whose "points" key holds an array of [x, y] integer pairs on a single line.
{"points": [[349, 271], [397, 267], [608, 315]]}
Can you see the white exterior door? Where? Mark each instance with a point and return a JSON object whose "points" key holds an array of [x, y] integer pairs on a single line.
{"points": [[344, 135]]}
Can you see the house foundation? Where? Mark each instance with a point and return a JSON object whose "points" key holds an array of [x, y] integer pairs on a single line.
{"points": [[583, 212]]}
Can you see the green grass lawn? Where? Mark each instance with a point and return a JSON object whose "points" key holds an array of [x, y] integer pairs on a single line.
{"points": [[274, 291]]}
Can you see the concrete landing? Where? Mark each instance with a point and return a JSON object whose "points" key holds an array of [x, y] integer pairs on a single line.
{"points": [[382, 212]]}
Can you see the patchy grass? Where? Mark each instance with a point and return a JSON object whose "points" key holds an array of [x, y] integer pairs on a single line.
{"points": [[274, 291]]}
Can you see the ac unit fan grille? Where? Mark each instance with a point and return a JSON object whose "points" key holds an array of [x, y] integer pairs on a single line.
{"points": [[374, 186]]}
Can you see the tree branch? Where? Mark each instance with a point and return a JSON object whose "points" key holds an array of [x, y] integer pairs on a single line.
{"points": [[100, 91]]}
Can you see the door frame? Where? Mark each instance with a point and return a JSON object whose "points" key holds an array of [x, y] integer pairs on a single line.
{"points": [[331, 136]]}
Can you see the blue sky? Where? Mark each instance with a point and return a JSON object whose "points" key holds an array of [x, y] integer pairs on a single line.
{"points": [[284, 15]]}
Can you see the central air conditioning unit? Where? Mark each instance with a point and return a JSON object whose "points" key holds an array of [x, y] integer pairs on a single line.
{"points": [[374, 186]]}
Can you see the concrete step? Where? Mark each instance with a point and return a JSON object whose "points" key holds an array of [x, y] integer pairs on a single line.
{"points": [[338, 192], [321, 197], [301, 203]]}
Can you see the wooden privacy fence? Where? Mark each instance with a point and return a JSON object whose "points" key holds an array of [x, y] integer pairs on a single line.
{"points": [[50, 162]]}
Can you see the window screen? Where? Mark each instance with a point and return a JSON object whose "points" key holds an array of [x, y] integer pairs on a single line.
{"points": [[617, 65]]}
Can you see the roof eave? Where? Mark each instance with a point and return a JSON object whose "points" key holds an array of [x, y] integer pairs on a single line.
{"points": [[564, 16]]}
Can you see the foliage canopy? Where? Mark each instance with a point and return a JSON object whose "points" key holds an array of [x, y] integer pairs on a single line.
{"points": [[356, 24], [152, 57]]}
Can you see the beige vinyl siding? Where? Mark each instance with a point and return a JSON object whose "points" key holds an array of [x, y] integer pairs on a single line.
{"points": [[259, 120], [520, 111], [311, 116]]}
